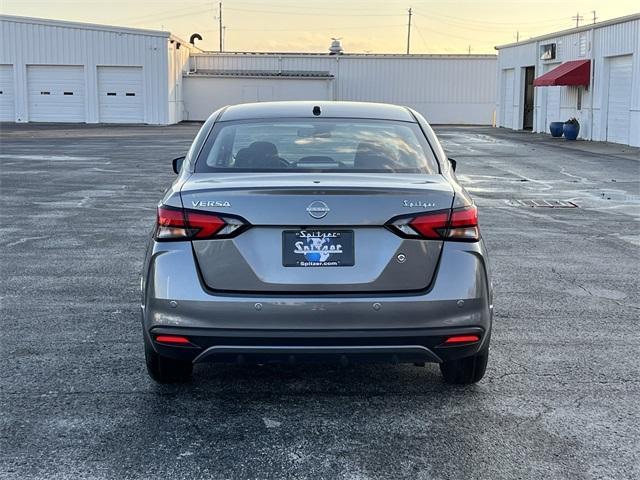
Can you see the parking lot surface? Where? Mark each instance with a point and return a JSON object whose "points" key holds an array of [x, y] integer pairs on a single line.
{"points": [[561, 398]]}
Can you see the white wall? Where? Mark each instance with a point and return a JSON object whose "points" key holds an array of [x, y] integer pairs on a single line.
{"points": [[178, 65], [597, 44], [446, 89], [47, 42], [205, 94]]}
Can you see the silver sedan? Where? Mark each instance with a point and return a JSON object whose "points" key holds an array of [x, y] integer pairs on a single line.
{"points": [[316, 231]]}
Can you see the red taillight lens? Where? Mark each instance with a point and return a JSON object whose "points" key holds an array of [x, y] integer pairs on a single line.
{"points": [[455, 224], [457, 339], [173, 339], [430, 225], [204, 225], [178, 224], [464, 224], [463, 217], [171, 224]]}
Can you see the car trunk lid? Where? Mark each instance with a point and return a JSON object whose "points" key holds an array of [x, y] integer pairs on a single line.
{"points": [[283, 208]]}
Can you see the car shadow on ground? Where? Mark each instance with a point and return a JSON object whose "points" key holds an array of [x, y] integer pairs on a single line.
{"points": [[323, 377], [227, 380]]}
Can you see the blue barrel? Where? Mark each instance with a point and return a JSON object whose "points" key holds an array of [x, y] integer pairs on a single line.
{"points": [[556, 128], [571, 130]]}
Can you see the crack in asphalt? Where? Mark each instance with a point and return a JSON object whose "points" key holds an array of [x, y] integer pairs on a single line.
{"points": [[590, 293]]}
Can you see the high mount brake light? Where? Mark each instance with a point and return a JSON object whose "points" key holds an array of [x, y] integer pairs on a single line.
{"points": [[459, 224], [178, 224]]}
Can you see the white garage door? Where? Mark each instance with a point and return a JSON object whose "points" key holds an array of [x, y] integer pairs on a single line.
{"points": [[120, 95], [56, 93], [619, 115], [507, 97], [7, 94]]}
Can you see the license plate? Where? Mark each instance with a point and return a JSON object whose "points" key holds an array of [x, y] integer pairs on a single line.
{"points": [[318, 248]]}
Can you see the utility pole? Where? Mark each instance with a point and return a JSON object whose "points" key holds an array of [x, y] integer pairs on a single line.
{"points": [[409, 32], [577, 17], [469, 50], [517, 37], [594, 16], [220, 24]]}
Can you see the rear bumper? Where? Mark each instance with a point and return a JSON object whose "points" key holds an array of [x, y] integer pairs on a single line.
{"points": [[388, 327], [390, 346]]}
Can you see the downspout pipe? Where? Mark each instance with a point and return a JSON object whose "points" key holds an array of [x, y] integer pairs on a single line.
{"points": [[592, 90]]}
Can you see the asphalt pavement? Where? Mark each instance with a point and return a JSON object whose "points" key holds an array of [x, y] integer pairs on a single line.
{"points": [[561, 398]]}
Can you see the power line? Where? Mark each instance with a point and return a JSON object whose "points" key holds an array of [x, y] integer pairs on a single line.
{"points": [[355, 9], [417, 29], [494, 30], [307, 13], [162, 16], [458, 37], [506, 28], [368, 27], [486, 23]]}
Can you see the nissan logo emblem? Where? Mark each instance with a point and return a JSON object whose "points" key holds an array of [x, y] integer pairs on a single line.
{"points": [[318, 209]]}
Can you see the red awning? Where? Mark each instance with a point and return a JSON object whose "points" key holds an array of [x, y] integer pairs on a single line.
{"points": [[575, 72]]}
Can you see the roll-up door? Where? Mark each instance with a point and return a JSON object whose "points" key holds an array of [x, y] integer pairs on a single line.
{"points": [[56, 93]]}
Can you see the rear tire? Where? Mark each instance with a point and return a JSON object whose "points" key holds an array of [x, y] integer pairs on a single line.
{"points": [[166, 370], [465, 371]]}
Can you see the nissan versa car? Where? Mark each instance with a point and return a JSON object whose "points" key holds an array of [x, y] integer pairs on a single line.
{"points": [[316, 231]]}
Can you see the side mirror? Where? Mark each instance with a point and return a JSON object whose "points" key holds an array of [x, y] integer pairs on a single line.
{"points": [[453, 163], [177, 164]]}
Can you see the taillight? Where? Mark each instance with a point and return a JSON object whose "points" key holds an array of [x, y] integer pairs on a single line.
{"points": [[463, 224], [457, 224], [179, 224], [203, 225], [173, 339], [458, 339], [430, 226]]}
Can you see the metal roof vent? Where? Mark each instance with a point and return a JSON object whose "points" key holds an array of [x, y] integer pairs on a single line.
{"points": [[336, 47]]}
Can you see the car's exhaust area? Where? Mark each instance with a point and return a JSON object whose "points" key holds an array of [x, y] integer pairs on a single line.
{"points": [[292, 354]]}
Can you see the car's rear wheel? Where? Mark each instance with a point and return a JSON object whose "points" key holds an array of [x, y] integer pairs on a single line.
{"points": [[166, 370], [464, 371]]}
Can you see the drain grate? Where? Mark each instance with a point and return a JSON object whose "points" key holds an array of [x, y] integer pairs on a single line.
{"points": [[541, 203]]}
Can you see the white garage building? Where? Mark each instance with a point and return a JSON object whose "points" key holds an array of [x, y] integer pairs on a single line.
{"points": [[54, 71], [58, 71], [591, 73]]}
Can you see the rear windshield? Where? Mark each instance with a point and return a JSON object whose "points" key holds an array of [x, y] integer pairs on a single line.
{"points": [[317, 145]]}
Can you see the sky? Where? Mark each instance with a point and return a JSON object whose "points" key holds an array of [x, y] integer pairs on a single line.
{"points": [[364, 26]]}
